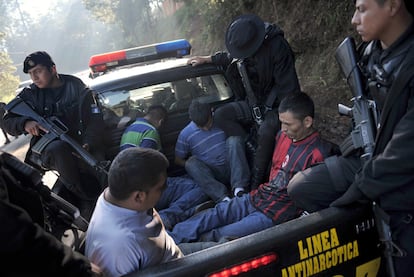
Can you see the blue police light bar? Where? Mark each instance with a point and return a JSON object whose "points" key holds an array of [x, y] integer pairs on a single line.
{"points": [[103, 62]]}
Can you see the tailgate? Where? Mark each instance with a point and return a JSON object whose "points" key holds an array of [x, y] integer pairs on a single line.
{"points": [[332, 242]]}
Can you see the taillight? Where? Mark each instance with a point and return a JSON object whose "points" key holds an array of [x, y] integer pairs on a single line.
{"points": [[246, 266]]}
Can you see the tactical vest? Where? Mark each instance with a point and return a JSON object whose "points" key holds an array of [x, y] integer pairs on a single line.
{"points": [[380, 69]]}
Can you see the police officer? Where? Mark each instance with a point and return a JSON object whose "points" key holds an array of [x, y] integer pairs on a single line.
{"points": [[71, 101], [387, 58], [26, 248], [260, 50], [2, 111]]}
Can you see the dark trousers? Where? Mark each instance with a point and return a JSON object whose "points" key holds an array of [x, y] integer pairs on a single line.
{"points": [[234, 118], [316, 187], [77, 182], [402, 230], [74, 174]]}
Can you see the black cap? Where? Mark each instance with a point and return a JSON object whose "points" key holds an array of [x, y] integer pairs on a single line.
{"points": [[245, 35], [39, 57]]}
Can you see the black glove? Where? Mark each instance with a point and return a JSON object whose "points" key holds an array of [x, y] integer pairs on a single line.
{"points": [[352, 195]]}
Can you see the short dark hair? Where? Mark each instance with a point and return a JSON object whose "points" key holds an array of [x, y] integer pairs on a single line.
{"points": [[158, 112], [199, 112], [300, 104], [136, 169]]}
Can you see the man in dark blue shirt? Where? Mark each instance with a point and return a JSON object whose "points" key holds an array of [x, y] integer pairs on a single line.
{"points": [[214, 162]]}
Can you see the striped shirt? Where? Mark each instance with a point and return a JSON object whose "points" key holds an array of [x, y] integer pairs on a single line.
{"points": [[207, 146], [288, 158], [141, 133]]}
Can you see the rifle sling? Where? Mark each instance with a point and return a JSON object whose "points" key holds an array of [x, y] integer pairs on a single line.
{"points": [[251, 98], [270, 100]]}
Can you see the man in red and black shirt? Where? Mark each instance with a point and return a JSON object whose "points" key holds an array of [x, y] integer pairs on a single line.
{"points": [[298, 146]]}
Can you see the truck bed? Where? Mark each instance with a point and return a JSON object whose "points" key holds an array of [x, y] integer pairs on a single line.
{"points": [[332, 242]]}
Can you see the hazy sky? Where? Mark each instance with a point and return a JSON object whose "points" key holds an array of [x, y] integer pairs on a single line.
{"points": [[38, 7], [91, 39]]}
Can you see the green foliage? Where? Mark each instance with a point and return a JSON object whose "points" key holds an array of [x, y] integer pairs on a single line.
{"points": [[102, 10], [66, 31], [213, 17], [141, 21], [8, 81]]}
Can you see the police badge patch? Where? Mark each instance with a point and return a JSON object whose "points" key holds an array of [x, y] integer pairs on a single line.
{"points": [[31, 63]]}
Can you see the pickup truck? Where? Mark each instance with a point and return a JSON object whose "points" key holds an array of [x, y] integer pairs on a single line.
{"points": [[332, 242]]}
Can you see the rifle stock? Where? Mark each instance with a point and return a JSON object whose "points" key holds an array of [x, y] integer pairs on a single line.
{"points": [[363, 133], [56, 129]]}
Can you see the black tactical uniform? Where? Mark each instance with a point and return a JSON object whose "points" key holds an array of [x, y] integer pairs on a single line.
{"points": [[270, 66], [74, 104], [388, 177]]}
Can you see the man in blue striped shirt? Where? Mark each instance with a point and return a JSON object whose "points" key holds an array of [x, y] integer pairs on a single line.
{"points": [[143, 132], [218, 164]]}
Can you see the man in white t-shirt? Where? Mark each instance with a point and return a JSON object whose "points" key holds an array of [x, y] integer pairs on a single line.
{"points": [[126, 233]]}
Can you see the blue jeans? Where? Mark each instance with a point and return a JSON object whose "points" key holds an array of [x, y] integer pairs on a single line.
{"points": [[232, 116], [213, 180], [179, 200], [227, 220]]}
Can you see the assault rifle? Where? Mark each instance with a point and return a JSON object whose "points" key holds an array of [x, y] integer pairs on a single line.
{"points": [[363, 111], [56, 130], [363, 136]]}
